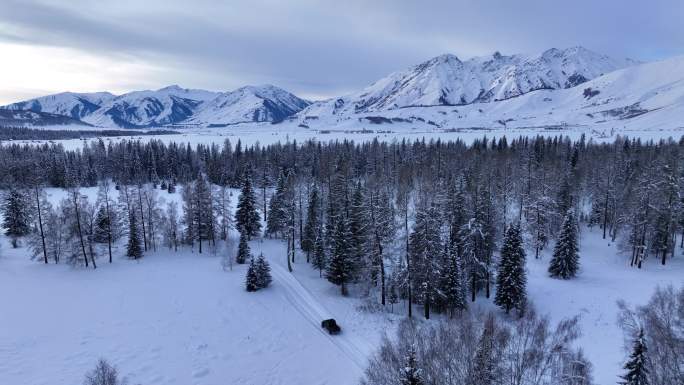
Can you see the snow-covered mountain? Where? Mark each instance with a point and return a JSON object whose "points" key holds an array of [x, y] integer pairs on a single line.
{"points": [[71, 104], [647, 96], [168, 106], [249, 104], [22, 118], [165, 106], [446, 80]]}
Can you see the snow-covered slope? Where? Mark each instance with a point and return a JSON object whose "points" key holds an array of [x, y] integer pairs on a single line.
{"points": [[171, 105], [249, 104], [644, 96], [26, 118], [446, 80], [165, 106], [71, 104]]}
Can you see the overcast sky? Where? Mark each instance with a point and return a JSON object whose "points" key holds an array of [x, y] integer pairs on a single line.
{"points": [[313, 48]]}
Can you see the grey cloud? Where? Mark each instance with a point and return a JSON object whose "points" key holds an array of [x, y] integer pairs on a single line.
{"points": [[326, 47]]}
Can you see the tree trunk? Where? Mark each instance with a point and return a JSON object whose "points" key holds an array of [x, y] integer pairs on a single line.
{"points": [[109, 223], [78, 227], [40, 225], [142, 217], [605, 212], [408, 261]]}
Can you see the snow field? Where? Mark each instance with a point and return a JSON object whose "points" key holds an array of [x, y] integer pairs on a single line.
{"points": [[178, 318]]}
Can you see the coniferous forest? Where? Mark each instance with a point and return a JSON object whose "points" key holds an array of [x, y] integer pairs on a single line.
{"points": [[434, 225]]}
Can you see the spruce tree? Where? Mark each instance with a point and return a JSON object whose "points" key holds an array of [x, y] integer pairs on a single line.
{"points": [[410, 374], [312, 224], [637, 365], [339, 269], [425, 250], [319, 260], [133, 249], [252, 279], [247, 217], [263, 272], [565, 261], [16, 215], [243, 249], [452, 286], [511, 279], [278, 208], [101, 226], [358, 232]]}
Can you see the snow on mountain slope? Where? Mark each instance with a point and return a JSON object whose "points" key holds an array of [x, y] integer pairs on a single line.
{"points": [[446, 80], [249, 104], [644, 96], [25, 118], [171, 105], [165, 106], [71, 104]]}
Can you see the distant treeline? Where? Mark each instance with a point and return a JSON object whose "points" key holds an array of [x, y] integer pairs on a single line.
{"points": [[23, 133]]}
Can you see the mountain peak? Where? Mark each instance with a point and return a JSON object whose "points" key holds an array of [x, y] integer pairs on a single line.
{"points": [[446, 80], [444, 58], [171, 88]]}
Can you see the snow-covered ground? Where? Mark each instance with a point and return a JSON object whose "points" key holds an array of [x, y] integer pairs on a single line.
{"points": [[178, 318], [605, 277], [267, 133]]}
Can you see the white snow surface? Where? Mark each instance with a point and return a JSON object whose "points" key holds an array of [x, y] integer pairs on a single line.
{"points": [[646, 97], [143, 108], [73, 104], [446, 80], [248, 104], [170, 106], [178, 318]]}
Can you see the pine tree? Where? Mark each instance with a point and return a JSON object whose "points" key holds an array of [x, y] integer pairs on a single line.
{"points": [[565, 261], [358, 233], [133, 249], [205, 217], [511, 279], [243, 249], [319, 260], [16, 215], [410, 374], [311, 227], [279, 207], [101, 226], [263, 272], [425, 249], [538, 219], [252, 279], [340, 267], [637, 365], [247, 217], [452, 286]]}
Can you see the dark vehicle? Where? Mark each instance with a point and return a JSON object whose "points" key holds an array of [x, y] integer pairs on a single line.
{"points": [[331, 326]]}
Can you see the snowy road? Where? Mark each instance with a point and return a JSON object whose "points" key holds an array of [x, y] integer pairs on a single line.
{"points": [[314, 312]]}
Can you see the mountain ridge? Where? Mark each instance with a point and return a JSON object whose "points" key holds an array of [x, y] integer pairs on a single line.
{"points": [[167, 106]]}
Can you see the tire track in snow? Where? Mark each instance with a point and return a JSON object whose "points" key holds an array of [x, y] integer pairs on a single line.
{"points": [[314, 312]]}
